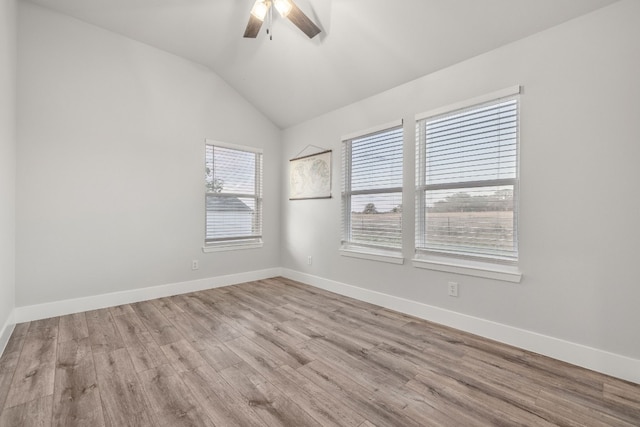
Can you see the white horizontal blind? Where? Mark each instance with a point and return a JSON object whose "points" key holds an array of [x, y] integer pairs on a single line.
{"points": [[233, 180], [467, 182], [372, 190]]}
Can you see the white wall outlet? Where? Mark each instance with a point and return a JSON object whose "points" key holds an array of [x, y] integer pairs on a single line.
{"points": [[195, 264], [453, 289], [309, 260]]}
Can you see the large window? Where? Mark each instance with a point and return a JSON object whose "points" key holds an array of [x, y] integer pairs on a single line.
{"points": [[233, 182], [372, 190], [467, 182]]}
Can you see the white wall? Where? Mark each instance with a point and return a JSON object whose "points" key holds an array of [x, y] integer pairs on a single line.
{"points": [[580, 147], [111, 163], [7, 164]]}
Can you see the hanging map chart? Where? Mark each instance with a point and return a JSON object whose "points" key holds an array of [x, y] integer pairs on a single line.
{"points": [[310, 176]]}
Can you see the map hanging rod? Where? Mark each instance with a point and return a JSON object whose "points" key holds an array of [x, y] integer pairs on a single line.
{"points": [[322, 150]]}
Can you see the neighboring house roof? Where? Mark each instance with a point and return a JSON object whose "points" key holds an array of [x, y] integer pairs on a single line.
{"points": [[227, 204]]}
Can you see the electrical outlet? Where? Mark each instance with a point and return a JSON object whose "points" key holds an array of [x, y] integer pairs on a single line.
{"points": [[309, 260], [195, 264], [453, 289]]}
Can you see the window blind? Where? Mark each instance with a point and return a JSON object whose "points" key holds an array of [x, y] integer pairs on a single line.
{"points": [[233, 180], [467, 181], [372, 190]]}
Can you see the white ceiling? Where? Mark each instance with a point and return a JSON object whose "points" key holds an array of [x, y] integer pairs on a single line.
{"points": [[366, 47]]}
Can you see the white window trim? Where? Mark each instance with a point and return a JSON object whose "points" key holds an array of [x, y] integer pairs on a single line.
{"points": [[232, 246], [388, 255], [371, 130], [240, 244], [234, 146], [479, 267], [488, 270], [504, 93]]}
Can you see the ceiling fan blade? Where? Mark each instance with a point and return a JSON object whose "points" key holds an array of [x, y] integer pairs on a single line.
{"points": [[302, 21], [253, 27]]}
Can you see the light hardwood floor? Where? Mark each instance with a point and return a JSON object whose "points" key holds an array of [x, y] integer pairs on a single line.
{"points": [[279, 353]]}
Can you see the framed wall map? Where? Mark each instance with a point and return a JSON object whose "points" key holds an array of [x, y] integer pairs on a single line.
{"points": [[310, 176]]}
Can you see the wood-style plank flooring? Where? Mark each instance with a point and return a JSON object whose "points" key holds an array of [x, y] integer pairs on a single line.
{"points": [[279, 353]]}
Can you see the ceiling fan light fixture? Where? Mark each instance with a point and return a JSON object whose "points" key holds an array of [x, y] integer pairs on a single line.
{"points": [[260, 9], [286, 8], [283, 6]]}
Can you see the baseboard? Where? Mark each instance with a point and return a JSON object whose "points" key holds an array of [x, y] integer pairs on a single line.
{"points": [[76, 305], [616, 365], [5, 332]]}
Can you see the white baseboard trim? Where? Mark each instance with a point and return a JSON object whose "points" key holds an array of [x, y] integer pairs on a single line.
{"points": [[5, 332], [76, 305], [616, 365]]}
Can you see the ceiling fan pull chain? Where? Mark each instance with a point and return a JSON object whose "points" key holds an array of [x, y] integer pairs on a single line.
{"points": [[270, 29]]}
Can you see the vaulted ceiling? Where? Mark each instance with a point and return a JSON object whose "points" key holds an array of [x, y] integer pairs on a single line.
{"points": [[366, 46]]}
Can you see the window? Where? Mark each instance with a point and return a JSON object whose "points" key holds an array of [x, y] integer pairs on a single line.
{"points": [[233, 182], [467, 182], [372, 191]]}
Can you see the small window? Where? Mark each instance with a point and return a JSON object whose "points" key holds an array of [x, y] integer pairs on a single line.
{"points": [[233, 187], [372, 191], [467, 182]]}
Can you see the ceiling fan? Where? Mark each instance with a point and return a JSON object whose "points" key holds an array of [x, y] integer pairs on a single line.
{"points": [[287, 9]]}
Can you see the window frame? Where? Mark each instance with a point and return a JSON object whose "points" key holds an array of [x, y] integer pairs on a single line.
{"points": [[363, 250], [476, 262], [255, 240]]}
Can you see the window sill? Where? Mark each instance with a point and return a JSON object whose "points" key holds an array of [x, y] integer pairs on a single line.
{"points": [[382, 256], [231, 247], [506, 273]]}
